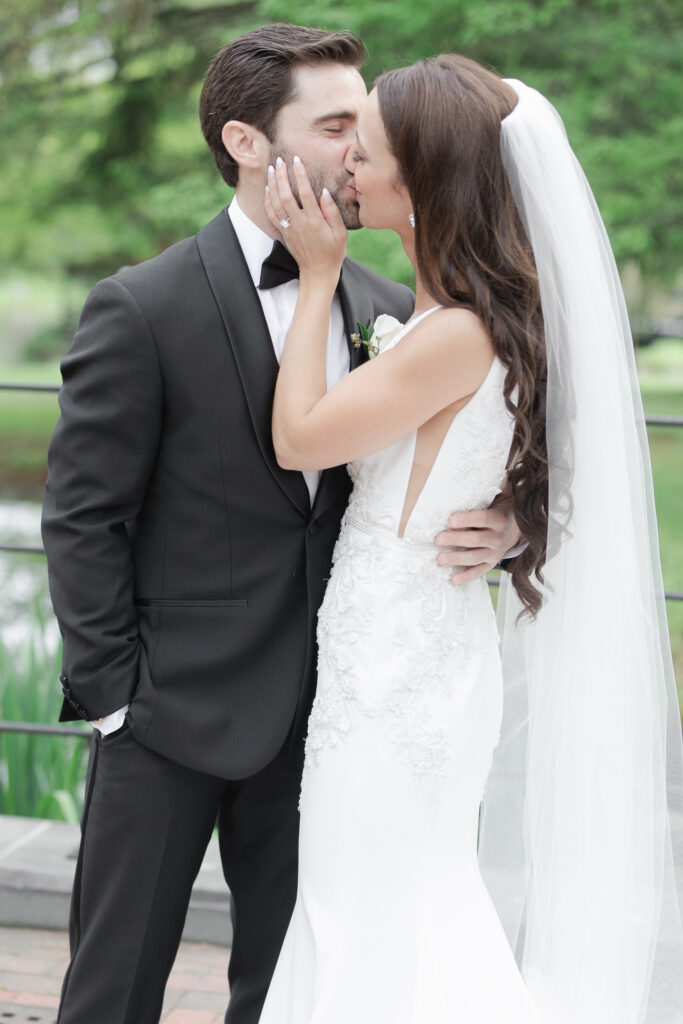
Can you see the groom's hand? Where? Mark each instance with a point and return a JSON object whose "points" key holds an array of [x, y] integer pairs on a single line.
{"points": [[477, 541]]}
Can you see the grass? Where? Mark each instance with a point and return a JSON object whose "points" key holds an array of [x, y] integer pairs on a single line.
{"points": [[661, 376], [26, 423], [40, 776]]}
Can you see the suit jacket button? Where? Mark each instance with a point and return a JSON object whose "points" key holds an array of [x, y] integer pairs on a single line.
{"points": [[312, 529]]}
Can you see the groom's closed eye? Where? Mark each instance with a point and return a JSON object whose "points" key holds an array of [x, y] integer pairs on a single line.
{"points": [[335, 123], [336, 128]]}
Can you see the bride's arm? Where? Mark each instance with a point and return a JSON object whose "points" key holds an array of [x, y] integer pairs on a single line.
{"points": [[439, 362], [442, 360]]}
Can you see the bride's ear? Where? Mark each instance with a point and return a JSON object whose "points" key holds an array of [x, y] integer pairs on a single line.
{"points": [[401, 190], [246, 145]]}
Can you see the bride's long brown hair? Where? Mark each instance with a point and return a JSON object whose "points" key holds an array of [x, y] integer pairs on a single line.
{"points": [[442, 117]]}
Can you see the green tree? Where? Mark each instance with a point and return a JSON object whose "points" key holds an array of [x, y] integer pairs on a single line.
{"points": [[102, 161]]}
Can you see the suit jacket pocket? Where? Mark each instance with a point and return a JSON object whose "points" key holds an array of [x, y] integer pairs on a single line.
{"points": [[201, 647]]}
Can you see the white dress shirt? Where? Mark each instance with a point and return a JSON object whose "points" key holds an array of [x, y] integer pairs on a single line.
{"points": [[278, 306]]}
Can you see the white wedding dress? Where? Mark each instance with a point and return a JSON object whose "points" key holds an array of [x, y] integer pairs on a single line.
{"points": [[392, 923]]}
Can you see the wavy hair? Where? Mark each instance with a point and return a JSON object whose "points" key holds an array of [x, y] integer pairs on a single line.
{"points": [[442, 117]]}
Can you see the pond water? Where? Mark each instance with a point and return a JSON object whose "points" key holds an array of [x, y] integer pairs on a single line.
{"points": [[23, 578]]}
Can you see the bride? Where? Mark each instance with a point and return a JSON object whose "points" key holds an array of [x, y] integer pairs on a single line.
{"points": [[554, 900]]}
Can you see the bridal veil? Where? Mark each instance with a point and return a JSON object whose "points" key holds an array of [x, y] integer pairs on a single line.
{"points": [[582, 823]]}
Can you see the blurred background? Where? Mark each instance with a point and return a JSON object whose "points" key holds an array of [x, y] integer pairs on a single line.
{"points": [[102, 164]]}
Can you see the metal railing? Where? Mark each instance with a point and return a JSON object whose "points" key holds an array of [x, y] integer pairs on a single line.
{"points": [[57, 730]]}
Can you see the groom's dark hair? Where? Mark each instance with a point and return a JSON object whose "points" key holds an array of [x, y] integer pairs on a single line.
{"points": [[252, 78]]}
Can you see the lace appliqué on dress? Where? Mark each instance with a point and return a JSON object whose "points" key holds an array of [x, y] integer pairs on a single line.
{"points": [[431, 632]]}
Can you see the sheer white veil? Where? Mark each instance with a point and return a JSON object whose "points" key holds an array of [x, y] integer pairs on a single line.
{"points": [[582, 820]]}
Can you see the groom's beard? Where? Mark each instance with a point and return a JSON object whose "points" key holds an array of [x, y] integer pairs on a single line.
{"points": [[336, 185]]}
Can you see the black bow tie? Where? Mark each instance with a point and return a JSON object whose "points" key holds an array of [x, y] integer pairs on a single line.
{"points": [[278, 268]]}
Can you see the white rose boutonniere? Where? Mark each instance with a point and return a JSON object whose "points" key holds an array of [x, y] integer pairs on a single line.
{"points": [[376, 338]]}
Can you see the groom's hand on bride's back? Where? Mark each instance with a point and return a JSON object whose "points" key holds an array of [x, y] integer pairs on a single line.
{"points": [[477, 541]]}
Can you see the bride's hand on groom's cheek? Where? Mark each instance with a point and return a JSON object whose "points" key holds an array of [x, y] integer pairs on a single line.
{"points": [[313, 232], [482, 539]]}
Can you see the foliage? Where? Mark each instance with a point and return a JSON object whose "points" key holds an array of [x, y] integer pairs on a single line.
{"points": [[40, 776], [103, 162], [52, 341], [26, 424]]}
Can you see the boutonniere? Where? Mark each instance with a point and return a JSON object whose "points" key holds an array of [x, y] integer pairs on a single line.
{"points": [[375, 339]]}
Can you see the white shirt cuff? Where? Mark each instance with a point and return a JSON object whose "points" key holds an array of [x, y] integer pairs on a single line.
{"points": [[112, 722]]}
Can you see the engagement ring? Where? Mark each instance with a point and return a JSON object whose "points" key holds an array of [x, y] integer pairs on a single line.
{"points": [[286, 223]]}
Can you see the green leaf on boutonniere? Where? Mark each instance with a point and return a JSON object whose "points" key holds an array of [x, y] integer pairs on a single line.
{"points": [[363, 335]]}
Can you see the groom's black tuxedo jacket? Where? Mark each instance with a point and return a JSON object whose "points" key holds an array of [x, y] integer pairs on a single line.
{"points": [[186, 567]]}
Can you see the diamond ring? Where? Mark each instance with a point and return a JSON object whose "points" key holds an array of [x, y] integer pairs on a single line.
{"points": [[286, 223]]}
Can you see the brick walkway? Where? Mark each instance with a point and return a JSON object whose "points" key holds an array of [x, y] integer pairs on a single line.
{"points": [[32, 965]]}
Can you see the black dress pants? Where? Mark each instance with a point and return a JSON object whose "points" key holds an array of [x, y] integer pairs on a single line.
{"points": [[146, 824]]}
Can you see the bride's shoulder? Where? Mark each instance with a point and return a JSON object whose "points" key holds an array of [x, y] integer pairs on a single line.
{"points": [[454, 325], [458, 321], [451, 342]]}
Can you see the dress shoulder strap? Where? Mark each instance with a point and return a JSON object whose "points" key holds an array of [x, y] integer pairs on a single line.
{"points": [[418, 319]]}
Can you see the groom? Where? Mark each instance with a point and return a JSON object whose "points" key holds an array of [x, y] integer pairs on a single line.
{"points": [[186, 567]]}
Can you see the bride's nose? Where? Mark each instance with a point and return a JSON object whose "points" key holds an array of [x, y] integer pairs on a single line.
{"points": [[349, 164]]}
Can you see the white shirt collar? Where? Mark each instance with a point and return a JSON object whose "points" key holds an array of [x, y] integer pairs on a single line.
{"points": [[255, 243]]}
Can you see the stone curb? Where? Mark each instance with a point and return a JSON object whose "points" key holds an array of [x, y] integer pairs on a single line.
{"points": [[37, 865]]}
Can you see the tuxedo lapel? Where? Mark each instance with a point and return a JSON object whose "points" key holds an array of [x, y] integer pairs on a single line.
{"points": [[357, 307], [250, 340]]}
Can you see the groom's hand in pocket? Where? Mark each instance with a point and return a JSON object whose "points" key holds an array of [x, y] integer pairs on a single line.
{"points": [[476, 541]]}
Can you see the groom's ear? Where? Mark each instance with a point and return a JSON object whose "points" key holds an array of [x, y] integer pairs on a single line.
{"points": [[246, 145]]}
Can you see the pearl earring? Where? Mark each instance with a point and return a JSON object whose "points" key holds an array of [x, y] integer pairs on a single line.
{"points": [[411, 218]]}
